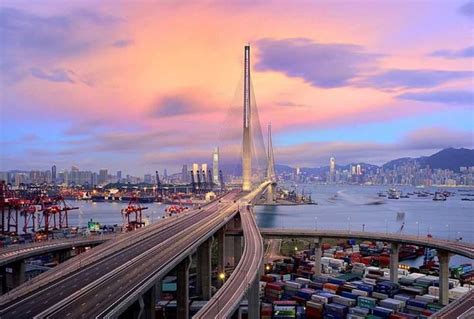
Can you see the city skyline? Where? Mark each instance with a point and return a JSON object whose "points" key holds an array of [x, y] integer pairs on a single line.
{"points": [[114, 85]]}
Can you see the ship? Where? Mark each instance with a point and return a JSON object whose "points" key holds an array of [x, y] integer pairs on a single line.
{"points": [[98, 198], [438, 196], [393, 194]]}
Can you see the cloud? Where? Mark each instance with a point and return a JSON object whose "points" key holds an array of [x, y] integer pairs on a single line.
{"points": [[322, 65], [29, 40], [464, 98], [397, 78], [435, 138], [183, 103], [122, 43], [454, 54], [467, 9], [57, 75]]}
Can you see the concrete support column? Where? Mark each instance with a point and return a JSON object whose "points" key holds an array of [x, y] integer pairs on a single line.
{"points": [[182, 290], [18, 274], [395, 247], [158, 289], [317, 256], [149, 300], [237, 249], [203, 265], [443, 258], [220, 253], [270, 195], [253, 299], [3, 274]]}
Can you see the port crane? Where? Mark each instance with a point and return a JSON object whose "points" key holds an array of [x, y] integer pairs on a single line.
{"points": [[132, 214]]}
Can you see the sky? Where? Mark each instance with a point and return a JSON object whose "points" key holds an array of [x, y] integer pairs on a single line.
{"points": [[144, 85]]}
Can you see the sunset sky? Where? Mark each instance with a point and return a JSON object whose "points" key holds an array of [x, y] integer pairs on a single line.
{"points": [[144, 85]]}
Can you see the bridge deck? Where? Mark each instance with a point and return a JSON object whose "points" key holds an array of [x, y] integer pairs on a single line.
{"points": [[454, 247]]}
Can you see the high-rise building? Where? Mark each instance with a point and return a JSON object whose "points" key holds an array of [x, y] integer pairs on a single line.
{"points": [[332, 169], [147, 178], [215, 166], [204, 168], [359, 169], [353, 170], [103, 176], [195, 171], [119, 176], [184, 174], [53, 174], [165, 173], [66, 177]]}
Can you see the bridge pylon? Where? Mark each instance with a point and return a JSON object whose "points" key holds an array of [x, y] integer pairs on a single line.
{"points": [[247, 134], [271, 175]]}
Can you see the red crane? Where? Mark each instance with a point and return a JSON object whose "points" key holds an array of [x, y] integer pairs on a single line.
{"points": [[11, 205], [132, 214]]}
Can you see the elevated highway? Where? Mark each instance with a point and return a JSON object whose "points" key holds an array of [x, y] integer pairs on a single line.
{"points": [[453, 247], [21, 252], [72, 279], [107, 280], [245, 278]]}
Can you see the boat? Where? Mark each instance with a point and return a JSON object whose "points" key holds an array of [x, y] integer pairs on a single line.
{"points": [[468, 199], [393, 194], [404, 195], [98, 198], [438, 196]]}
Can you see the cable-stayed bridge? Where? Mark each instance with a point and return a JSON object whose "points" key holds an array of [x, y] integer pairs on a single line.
{"points": [[122, 277]]}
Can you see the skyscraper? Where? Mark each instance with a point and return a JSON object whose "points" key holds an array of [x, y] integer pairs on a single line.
{"points": [[215, 166], [195, 170], [119, 176], [53, 174], [184, 173], [359, 169], [332, 169], [103, 176]]}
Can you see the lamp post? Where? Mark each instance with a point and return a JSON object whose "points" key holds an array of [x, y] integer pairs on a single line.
{"points": [[349, 224], [418, 229], [315, 223]]}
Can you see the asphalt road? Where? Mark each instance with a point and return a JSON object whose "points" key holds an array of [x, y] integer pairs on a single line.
{"points": [[103, 261]]}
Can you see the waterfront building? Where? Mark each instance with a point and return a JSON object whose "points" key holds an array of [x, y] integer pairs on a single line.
{"points": [[103, 176], [332, 169], [53, 174], [184, 174], [215, 166]]}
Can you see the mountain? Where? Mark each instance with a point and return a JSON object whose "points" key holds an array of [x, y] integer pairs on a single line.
{"points": [[449, 158]]}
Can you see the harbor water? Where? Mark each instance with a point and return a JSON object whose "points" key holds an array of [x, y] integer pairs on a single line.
{"points": [[354, 207]]}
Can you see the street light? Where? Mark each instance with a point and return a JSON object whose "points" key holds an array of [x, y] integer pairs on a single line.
{"points": [[418, 227], [349, 223], [449, 231], [386, 226], [315, 223], [222, 276]]}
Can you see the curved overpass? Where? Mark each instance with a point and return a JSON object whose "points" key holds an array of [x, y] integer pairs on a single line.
{"points": [[245, 275], [454, 247]]}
